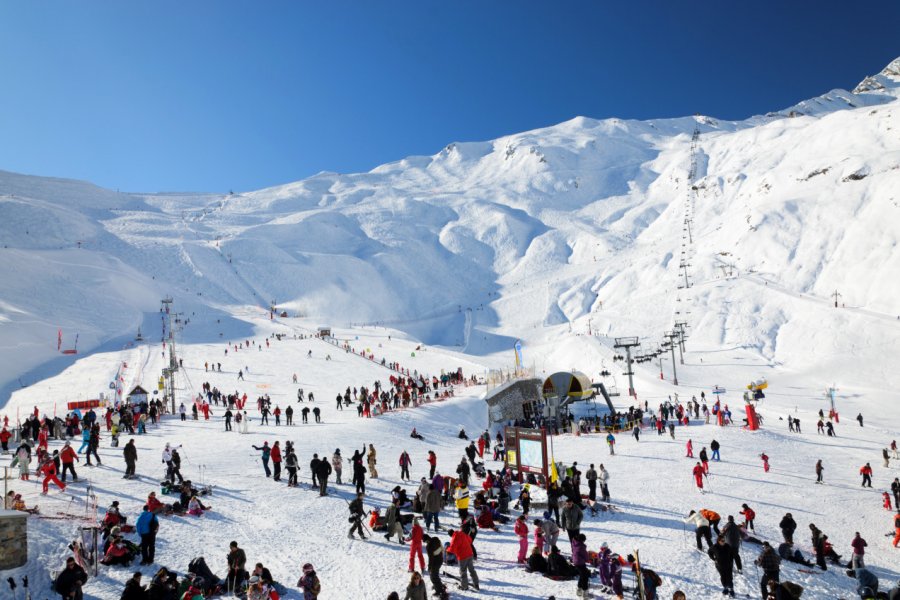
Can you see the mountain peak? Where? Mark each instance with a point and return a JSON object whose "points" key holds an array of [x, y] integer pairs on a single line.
{"points": [[888, 78]]}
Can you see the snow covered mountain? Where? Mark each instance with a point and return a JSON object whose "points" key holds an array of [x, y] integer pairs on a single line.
{"points": [[571, 228]]}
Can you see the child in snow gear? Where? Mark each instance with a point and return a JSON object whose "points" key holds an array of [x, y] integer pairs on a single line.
{"points": [[309, 583]]}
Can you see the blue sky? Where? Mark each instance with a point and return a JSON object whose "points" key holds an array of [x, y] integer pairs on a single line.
{"points": [[218, 95]]}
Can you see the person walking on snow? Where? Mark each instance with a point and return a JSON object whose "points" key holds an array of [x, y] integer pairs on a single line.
{"points": [[770, 563], [130, 455], [68, 457], [266, 452], [765, 460], [357, 512], [866, 472], [714, 446], [690, 449], [432, 460], [857, 561], [404, 462], [819, 470], [415, 546], [461, 548], [788, 527], [723, 555], [603, 477], [371, 461], [275, 455], [337, 465], [611, 442]]}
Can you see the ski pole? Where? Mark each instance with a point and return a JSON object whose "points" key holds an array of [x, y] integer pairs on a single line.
{"points": [[12, 586]]}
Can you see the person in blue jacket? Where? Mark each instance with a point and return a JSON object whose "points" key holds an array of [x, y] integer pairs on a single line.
{"points": [[146, 527]]}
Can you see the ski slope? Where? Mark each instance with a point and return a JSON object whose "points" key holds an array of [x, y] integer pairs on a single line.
{"points": [[650, 480], [564, 237]]}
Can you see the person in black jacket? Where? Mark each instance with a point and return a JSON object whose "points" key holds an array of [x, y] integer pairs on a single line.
{"points": [[536, 561], [133, 588], [357, 512], [435, 551], [130, 454], [324, 470], [68, 583], [770, 563], [558, 566], [724, 558], [788, 527]]}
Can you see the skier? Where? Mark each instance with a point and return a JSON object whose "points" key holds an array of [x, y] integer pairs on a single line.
{"points": [[897, 528], [636, 432], [698, 476], [277, 415], [309, 581], [884, 454], [765, 460], [68, 457], [859, 418], [819, 470], [704, 460], [240, 374], [866, 472], [830, 428], [314, 470], [357, 512], [895, 489], [723, 555], [886, 500], [265, 456], [770, 563], [317, 413], [49, 471], [690, 449], [611, 442], [289, 415], [461, 497], [228, 417], [393, 524], [305, 414], [579, 561]]}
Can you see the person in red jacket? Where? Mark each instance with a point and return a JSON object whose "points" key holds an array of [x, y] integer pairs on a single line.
{"points": [[155, 506], [887, 500], [415, 546], [521, 530], [67, 457], [690, 449], [698, 476], [5, 434], [765, 460], [432, 460], [461, 547], [43, 436], [49, 471], [481, 447], [866, 472], [275, 455], [748, 514]]}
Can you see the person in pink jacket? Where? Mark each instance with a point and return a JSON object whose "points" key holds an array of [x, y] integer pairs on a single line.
{"points": [[521, 530]]}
